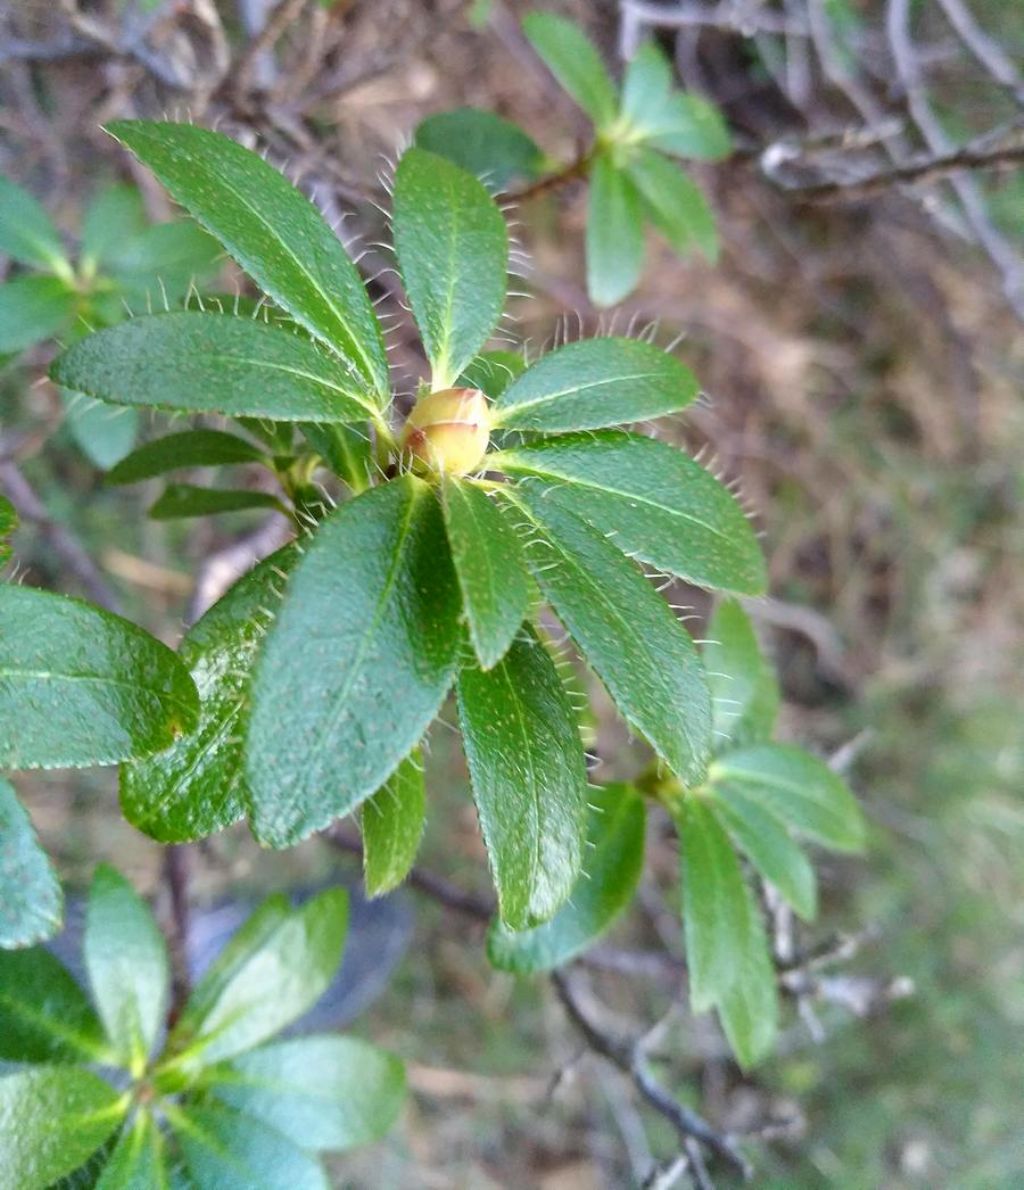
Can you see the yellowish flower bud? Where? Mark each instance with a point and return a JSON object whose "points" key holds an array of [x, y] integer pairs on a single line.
{"points": [[448, 431]]}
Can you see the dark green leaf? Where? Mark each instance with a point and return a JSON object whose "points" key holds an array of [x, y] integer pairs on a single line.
{"points": [[104, 433], [272, 231], [496, 150], [115, 215], [198, 787], [595, 383], [137, 1161], [612, 865], [574, 61], [81, 687], [452, 249], [274, 969], [31, 903], [357, 662], [615, 233], [27, 233], [626, 632], [33, 309], [686, 126], [654, 502], [126, 960], [492, 372], [182, 500], [192, 448], [392, 825], [46, 1016], [51, 1120], [225, 1150], [743, 686], [213, 363], [345, 450], [674, 203], [529, 778], [490, 566], [796, 787], [8, 523], [323, 1093], [767, 844]]}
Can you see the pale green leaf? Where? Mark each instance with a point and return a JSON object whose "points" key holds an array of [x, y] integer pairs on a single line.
{"points": [[104, 433], [686, 126], [749, 1008], [595, 383], [198, 786], [452, 249], [191, 448], [490, 566], [653, 501], [625, 631], [27, 233], [31, 903], [612, 863], [615, 233], [392, 825], [492, 372], [33, 309], [213, 363], [646, 83], [323, 1093], [52, 1119], [115, 215], [674, 202], [529, 780], [126, 960], [81, 687], [796, 787], [742, 680], [356, 663], [137, 1161], [496, 150], [345, 450], [271, 230], [573, 59], [46, 1016]]}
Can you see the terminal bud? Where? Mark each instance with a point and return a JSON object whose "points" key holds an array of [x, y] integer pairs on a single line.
{"points": [[448, 431]]}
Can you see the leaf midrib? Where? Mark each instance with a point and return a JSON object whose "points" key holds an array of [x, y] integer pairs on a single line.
{"points": [[504, 406]]}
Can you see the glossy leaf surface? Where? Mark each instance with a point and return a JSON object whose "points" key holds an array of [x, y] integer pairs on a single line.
{"points": [[452, 249], [80, 686], [271, 230], [191, 448], [31, 902], [654, 502], [46, 1015], [529, 780], [392, 825], [743, 683], [180, 501], [595, 383], [357, 662], [612, 863], [136, 1162], [213, 363]]}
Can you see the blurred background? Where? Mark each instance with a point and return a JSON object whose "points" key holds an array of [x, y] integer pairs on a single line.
{"points": [[862, 350]]}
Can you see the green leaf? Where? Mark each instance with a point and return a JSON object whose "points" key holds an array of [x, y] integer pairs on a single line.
{"points": [[492, 372], [52, 1119], [490, 566], [452, 248], [225, 1150], [8, 523], [192, 448], [198, 786], [744, 690], [654, 502], [767, 844], [137, 1162], [27, 233], [164, 259], [626, 632], [126, 960], [357, 662], [595, 383], [183, 500], [272, 231], [796, 787], [496, 150], [115, 215], [31, 903], [33, 309], [572, 58], [213, 363], [749, 1007], [81, 687], [686, 126], [612, 865], [646, 84], [392, 825], [674, 202], [271, 972], [323, 1093], [345, 450], [46, 1016], [615, 233], [529, 778], [104, 433]]}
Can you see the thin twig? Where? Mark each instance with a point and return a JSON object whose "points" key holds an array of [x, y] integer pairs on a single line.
{"points": [[175, 875]]}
